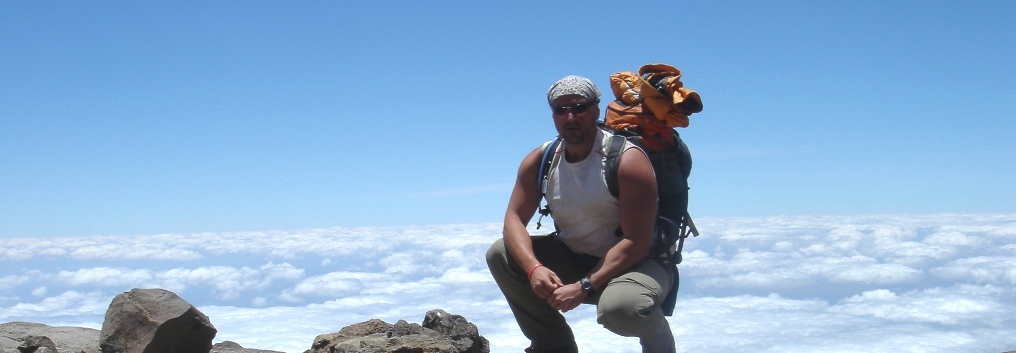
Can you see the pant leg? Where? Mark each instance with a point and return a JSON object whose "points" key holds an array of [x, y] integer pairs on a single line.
{"points": [[542, 324], [630, 305]]}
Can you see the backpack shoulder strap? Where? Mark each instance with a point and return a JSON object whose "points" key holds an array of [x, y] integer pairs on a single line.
{"points": [[546, 159], [612, 153], [612, 163]]}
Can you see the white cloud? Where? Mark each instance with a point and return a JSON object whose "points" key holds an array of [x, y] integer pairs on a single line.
{"points": [[934, 283], [406, 263], [103, 276], [459, 275], [228, 282], [132, 252], [53, 252], [878, 274], [333, 285], [11, 281], [9, 254], [947, 306], [259, 302], [69, 303], [954, 236], [282, 271], [326, 242], [980, 269]]}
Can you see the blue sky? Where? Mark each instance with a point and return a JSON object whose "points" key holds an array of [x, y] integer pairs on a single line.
{"points": [[121, 118]]}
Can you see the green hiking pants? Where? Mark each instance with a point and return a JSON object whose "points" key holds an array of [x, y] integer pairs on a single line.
{"points": [[629, 305]]}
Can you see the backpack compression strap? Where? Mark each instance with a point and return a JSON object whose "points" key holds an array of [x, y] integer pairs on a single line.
{"points": [[546, 158]]}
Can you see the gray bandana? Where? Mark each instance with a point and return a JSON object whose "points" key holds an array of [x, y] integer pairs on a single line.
{"points": [[573, 85]]}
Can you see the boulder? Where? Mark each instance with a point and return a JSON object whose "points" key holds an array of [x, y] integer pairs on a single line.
{"points": [[447, 334], [464, 333], [37, 344], [233, 347], [154, 321], [16, 337]]}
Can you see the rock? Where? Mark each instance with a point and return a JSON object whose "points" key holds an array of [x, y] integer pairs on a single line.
{"points": [[453, 334], [37, 344], [233, 347], [366, 328], [14, 336], [226, 346], [403, 328], [465, 333], [154, 321]]}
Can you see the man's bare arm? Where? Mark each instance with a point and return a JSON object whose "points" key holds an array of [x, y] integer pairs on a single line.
{"points": [[637, 197], [524, 202]]}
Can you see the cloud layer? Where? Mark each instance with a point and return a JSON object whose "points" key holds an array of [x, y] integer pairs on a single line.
{"points": [[930, 283]]}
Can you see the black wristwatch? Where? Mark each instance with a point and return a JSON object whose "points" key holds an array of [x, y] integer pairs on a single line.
{"points": [[587, 286]]}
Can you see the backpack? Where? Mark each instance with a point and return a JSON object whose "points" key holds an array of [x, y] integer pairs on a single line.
{"points": [[672, 168]]}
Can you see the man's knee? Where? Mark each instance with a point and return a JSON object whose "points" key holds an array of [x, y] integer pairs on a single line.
{"points": [[496, 253], [626, 314]]}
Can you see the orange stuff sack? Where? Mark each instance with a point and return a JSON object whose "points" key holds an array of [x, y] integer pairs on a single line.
{"points": [[651, 102], [656, 135]]}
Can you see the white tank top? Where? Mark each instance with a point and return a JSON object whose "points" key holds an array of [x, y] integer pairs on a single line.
{"points": [[586, 214]]}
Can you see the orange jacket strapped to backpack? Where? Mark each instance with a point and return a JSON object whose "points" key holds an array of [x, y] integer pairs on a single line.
{"points": [[654, 100]]}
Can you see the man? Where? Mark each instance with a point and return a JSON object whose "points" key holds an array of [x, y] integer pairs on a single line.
{"points": [[585, 261]]}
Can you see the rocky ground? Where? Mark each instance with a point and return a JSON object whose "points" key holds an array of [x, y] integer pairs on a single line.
{"points": [[159, 321]]}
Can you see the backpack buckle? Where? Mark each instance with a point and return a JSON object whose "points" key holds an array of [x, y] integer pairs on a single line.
{"points": [[544, 211]]}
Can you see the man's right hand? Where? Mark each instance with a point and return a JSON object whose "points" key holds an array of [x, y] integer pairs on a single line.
{"points": [[544, 282]]}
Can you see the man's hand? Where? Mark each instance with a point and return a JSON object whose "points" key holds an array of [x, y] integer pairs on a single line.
{"points": [[544, 282], [567, 297]]}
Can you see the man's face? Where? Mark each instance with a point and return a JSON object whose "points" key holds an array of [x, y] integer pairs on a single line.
{"points": [[575, 118]]}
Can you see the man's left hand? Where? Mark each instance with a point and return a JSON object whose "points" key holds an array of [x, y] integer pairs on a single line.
{"points": [[567, 297]]}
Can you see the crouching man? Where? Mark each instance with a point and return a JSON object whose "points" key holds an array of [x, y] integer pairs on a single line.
{"points": [[585, 260]]}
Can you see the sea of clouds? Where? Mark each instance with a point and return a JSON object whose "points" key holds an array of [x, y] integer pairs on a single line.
{"points": [[927, 283]]}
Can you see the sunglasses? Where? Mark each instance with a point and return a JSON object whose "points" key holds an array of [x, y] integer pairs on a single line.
{"points": [[574, 109]]}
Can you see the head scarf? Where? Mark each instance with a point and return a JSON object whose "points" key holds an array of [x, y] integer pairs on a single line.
{"points": [[573, 85]]}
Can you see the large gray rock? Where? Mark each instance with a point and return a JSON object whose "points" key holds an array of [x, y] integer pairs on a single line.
{"points": [[233, 347], [447, 334], [37, 344], [465, 334], [155, 321], [16, 337]]}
